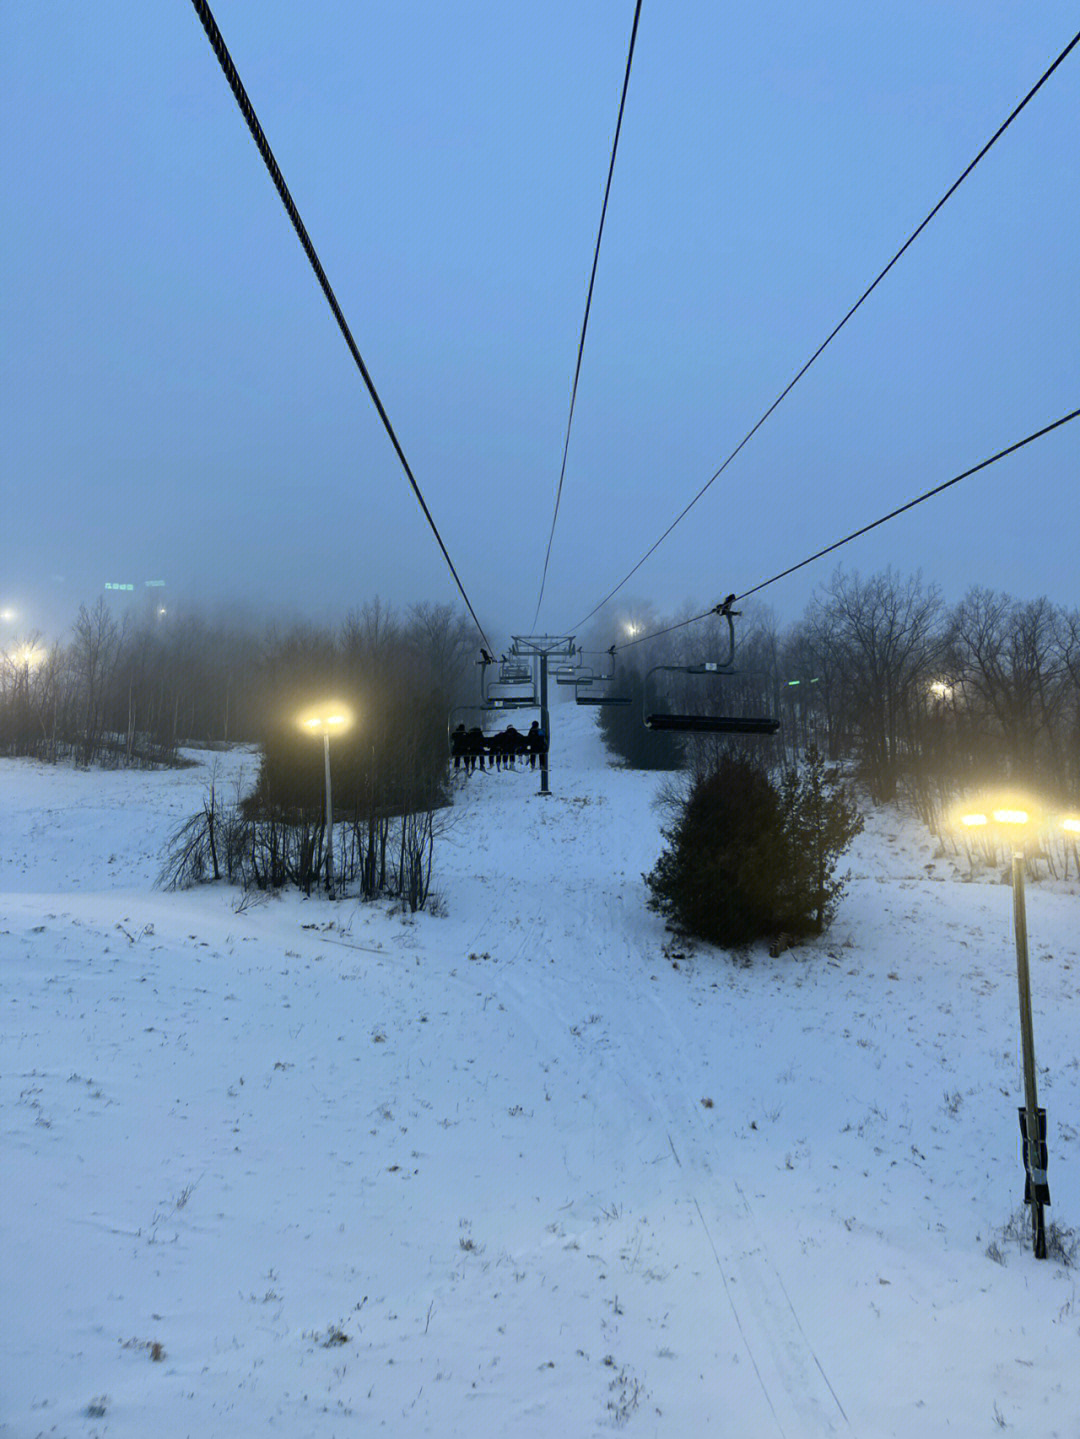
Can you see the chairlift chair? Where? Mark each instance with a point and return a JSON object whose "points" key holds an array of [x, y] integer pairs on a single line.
{"points": [[510, 701], [581, 676], [514, 702], [604, 695], [601, 676], [602, 673], [460, 714], [514, 672], [601, 699], [707, 723]]}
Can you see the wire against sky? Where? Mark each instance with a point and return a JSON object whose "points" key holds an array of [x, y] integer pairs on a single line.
{"points": [[832, 335], [864, 529], [220, 49], [588, 306]]}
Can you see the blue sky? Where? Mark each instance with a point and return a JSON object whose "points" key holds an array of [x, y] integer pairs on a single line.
{"points": [[178, 404]]}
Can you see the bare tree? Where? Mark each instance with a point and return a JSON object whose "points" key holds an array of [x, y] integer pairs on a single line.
{"points": [[886, 637], [95, 644], [1015, 661]]}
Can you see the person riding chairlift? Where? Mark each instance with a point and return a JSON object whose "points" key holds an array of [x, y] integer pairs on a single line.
{"points": [[459, 747], [536, 743]]}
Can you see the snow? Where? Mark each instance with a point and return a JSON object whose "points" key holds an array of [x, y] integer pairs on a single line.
{"points": [[519, 1168]]}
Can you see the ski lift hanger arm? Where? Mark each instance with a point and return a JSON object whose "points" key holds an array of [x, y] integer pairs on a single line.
{"points": [[724, 666]]}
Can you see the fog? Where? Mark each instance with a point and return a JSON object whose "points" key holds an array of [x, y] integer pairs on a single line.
{"points": [[178, 404]]}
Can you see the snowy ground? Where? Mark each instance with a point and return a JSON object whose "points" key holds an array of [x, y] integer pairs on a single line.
{"points": [[316, 1169]]}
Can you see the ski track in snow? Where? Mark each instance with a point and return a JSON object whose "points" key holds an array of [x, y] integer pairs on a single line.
{"points": [[528, 1168]]}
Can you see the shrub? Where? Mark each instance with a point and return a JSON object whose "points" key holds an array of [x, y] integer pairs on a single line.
{"points": [[748, 859]]}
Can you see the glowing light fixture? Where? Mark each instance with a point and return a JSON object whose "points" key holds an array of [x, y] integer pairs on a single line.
{"points": [[327, 724], [332, 723], [1016, 823]]}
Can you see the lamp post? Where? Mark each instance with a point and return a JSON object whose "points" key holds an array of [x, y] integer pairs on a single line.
{"points": [[1014, 823], [327, 724]]}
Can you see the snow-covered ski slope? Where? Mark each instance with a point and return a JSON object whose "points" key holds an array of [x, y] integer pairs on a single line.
{"points": [[509, 1170]]}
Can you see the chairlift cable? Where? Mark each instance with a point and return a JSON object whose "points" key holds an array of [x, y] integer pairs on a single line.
{"points": [[832, 335], [926, 495], [588, 306], [220, 49]]}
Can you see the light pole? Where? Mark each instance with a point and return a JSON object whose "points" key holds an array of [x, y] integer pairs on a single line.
{"points": [[1013, 824], [327, 724]]}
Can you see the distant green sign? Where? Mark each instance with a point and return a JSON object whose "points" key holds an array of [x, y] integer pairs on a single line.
{"points": [[110, 586]]}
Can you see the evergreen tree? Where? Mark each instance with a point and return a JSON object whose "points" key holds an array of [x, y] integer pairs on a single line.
{"points": [[747, 860]]}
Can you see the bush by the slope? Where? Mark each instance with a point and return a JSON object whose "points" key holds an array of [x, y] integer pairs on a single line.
{"points": [[748, 860]]}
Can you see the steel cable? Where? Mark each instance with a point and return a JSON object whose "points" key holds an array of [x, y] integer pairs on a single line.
{"points": [[833, 333], [588, 306], [220, 49], [864, 529]]}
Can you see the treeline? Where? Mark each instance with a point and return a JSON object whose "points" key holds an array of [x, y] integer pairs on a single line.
{"points": [[125, 691], [135, 690], [138, 692], [928, 701]]}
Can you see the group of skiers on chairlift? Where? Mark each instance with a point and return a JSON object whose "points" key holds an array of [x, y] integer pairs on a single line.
{"points": [[470, 748]]}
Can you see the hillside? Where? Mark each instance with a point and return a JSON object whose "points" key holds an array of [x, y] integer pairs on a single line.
{"points": [[522, 1167]]}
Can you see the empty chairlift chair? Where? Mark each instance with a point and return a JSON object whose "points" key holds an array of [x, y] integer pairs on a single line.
{"points": [[600, 697], [514, 687], [713, 722], [514, 672], [595, 689], [580, 675]]}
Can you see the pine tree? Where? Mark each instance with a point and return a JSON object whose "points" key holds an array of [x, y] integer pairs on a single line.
{"points": [[747, 860]]}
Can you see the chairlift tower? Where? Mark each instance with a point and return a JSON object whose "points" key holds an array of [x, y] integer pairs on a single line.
{"points": [[543, 648]]}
